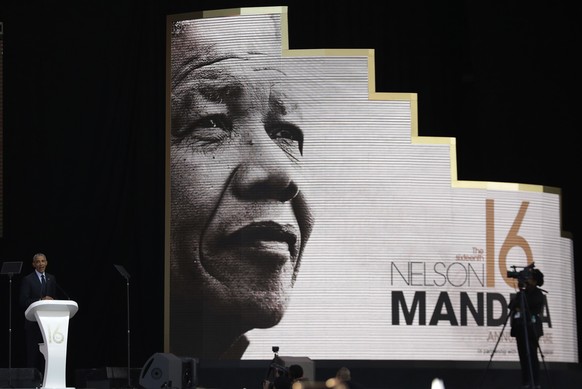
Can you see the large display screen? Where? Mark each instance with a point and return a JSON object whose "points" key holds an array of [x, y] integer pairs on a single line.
{"points": [[305, 211]]}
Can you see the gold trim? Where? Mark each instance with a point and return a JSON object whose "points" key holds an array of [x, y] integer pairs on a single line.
{"points": [[220, 13]]}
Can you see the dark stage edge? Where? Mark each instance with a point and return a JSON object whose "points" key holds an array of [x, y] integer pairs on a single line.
{"points": [[370, 374]]}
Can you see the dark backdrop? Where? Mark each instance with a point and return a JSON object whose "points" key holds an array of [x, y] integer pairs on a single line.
{"points": [[84, 131]]}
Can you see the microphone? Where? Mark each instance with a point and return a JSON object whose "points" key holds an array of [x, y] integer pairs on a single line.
{"points": [[62, 291]]}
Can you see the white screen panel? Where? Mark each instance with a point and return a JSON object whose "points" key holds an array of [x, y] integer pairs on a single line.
{"points": [[402, 262]]}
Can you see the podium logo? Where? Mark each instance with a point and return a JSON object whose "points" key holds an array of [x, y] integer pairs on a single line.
{"points": [[55, 336]]}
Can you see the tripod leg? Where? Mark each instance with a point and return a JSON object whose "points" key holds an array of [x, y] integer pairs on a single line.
{"points": [[544, 363], [538, 347], [495, 348]]}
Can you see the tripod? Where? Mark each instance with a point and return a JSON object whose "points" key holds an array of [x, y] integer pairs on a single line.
{"points": [[524, 342], [126, 275], [10, 268]]}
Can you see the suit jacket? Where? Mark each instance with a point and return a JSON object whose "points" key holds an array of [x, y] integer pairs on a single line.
{"points": [[534, 300], [30, 289]]}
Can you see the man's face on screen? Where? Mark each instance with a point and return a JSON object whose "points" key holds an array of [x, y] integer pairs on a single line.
{"points": [[238, 218]]}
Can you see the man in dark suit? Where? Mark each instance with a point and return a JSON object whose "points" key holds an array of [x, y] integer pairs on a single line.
{"points": [[528, 304], [38, 285]]}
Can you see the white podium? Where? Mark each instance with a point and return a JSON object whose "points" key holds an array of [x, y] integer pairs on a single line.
{"points": [[53, 319]]}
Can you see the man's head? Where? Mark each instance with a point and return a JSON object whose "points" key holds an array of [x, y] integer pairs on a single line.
{"points": [[538, 277], [535, 278], [239, 220], [295, 372], [39, 262], [343, 374]]}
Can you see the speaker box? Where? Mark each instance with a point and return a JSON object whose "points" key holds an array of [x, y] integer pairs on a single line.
{"points": [[20, 378], [305, 362], [165, 370]]}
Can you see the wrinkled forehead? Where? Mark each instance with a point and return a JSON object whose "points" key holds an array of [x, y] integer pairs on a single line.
{"points": [[248, 39], [213, 55]]}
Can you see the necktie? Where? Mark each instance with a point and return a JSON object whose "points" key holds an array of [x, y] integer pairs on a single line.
{"points": [[43, 287]]}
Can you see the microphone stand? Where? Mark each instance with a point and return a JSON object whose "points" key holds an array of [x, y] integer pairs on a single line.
{"points": [[10, 268], [126, 275]]}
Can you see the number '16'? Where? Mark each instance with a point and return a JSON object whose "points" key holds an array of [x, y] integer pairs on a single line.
{"points": [[513, 239], [55, 336]]}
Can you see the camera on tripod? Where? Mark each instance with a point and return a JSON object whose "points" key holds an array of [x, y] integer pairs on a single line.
{"points": [[276, 369], [522, 276]]}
